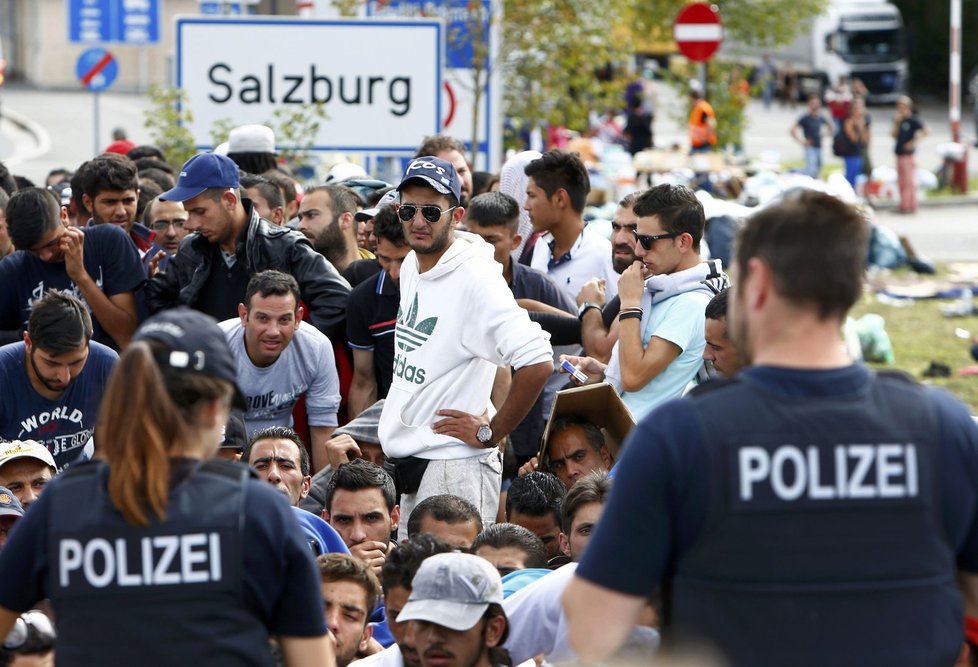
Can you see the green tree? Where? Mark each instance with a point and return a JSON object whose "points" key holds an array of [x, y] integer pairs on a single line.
{"points": [[167, 120]]}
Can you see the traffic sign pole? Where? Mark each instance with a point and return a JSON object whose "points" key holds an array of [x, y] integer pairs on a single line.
{"points": [[98, 121]]}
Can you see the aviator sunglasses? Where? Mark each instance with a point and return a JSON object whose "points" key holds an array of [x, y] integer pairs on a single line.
{"points": [[429, 212]]}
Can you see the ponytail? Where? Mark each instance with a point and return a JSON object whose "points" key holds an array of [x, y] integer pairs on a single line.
{"points": [[147, 416]]}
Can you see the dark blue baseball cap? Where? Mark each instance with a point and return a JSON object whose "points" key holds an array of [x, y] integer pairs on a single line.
{"points": [[197, 345], [9, 505], [201, 172], [433, 172]]}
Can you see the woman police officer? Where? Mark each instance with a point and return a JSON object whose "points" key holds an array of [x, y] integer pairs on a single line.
{"points": [[153, 554]]}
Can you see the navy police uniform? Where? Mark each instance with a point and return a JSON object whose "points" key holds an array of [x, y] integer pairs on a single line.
{"points": [[800, 517], [207, 586]]}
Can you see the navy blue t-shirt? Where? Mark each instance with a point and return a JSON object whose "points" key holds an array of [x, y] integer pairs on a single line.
{"points": [[658, 504], [906, 132], [280, 582], [811, 127], [110, 258], [63, 425]]}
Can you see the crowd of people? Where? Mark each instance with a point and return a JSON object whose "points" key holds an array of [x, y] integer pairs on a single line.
{"points": [[244, 423]]}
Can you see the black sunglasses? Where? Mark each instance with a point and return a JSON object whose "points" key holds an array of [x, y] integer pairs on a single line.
{"points": [[429, 212], [648, 239]]}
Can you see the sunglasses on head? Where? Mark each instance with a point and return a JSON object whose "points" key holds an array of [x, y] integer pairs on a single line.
{"points": [[429, 212], [648, 239]]}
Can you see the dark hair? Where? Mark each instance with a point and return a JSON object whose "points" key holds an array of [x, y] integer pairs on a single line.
{"points": [[271, 283], [438, 143], [158, 176], [560, 170], [445, 507], [536, 494], [147, 217], [145, 150], [592, 433], [494, 209], [678, 210], [358, 475], [482, 181], [147, 414], [344, 567], [23, 182], [77, 188], [31, 214], [594, 487], [254, 163], [375, 196], [502, 535], [716, 309], [815, 246], [497, 654], [59, 171], [404, 560], [278, 433], [147, 163], [628, 201], [341, 198], [148, 192], [284, 183], [388, 226], [7, 182], [109, 171], [59, 323], [268, 190]]}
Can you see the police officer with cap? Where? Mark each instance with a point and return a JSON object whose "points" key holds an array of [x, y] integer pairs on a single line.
{"points": [[188, 560], [809, 511]]}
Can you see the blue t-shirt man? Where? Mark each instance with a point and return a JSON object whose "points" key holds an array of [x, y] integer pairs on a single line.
{"points": [[110, 258], [64, 424]]}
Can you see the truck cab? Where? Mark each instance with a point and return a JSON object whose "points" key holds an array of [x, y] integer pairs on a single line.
{"points": [[862, 39]]}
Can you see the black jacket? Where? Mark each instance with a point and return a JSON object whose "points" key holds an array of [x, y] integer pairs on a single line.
{"points": [[322, 289]]}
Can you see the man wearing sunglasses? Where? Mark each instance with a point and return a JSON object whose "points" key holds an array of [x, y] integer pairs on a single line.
{"points": [[457, 323], [663, 302]]}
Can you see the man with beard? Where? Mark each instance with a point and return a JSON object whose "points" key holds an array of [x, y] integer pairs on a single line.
{"points": [[458, 323], [599, 320], [350, 591], [54, 379], [326, 219], [210, 273], [456, 614], [111, 193], [790, 513], [398, 572]]}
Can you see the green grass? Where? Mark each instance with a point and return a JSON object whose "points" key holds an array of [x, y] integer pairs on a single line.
{"points": [[920, 334]]}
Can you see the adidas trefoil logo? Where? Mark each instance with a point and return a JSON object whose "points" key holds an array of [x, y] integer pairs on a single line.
{"points": [[410, 335]]}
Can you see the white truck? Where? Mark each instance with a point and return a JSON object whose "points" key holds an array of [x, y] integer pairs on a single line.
{"points": [[861, 39]]}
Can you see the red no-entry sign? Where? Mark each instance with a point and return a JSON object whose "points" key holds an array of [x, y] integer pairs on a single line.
{"points": [[698, 31]]}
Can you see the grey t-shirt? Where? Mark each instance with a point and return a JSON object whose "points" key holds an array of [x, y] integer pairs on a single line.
{"points": [[306, 366]]}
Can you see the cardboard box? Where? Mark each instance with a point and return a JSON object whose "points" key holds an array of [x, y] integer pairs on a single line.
{"points": [[599, 404]]}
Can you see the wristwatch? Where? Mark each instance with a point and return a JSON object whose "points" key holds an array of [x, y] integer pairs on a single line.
{"points": [[484, 436], [586, 306]]}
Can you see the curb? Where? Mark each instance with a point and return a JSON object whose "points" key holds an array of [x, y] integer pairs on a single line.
{"points": [[41, 137], [942, 202]]}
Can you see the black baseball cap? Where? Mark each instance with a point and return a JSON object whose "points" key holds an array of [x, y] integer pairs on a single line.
{"points": [[197, 345]]}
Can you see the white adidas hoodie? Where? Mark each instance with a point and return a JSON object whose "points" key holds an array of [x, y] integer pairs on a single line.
{"points": [[457, 322]]}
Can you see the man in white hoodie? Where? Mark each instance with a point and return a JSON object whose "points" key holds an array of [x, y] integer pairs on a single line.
{"points": [[457, 322]]}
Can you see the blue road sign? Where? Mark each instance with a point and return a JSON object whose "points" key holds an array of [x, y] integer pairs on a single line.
{"points": [[461, 18], [96, 69], [121, 21]]}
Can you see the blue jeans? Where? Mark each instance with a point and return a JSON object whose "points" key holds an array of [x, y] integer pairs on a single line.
{"points": [[854, 167], [813, 160]]}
